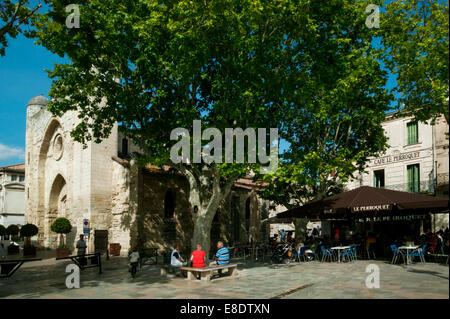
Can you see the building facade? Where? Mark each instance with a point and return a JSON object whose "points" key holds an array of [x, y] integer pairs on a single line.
{"points": [[143, 206], [415, 161], [12, 196]]}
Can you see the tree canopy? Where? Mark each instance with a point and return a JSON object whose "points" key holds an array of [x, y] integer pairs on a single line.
{"points": [[414, 35], [303, 67], [13, 17]]}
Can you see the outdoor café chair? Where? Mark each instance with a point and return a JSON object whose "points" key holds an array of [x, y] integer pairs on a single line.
{"points": [[396, 252], [419, 252], [326, 254], [354, 249], [347, 254]]}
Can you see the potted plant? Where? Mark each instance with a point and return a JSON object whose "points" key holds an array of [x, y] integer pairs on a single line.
{"points": [[13, 231], [61, 226], [27, 231]]}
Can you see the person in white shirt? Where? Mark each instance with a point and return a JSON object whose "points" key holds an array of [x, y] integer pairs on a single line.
{"points": [[176, 260], [134, 259]]}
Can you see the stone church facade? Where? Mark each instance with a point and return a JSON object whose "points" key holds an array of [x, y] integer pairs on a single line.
{"points": [[144, 206]]}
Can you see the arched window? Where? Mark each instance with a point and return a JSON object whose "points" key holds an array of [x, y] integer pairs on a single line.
{"points": [[169, 204]]}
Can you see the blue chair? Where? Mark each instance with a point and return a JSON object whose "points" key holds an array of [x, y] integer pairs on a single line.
{"points": [[347, 254], [354, 249], [326, 254], [396, 252], [420, 252]]}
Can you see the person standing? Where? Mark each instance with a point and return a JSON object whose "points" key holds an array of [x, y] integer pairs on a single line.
{"points": [[81, 246], [283, 236]]}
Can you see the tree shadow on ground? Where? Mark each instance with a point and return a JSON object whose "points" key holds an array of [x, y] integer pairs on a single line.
{"points": [[429, 272], [36, 282]]}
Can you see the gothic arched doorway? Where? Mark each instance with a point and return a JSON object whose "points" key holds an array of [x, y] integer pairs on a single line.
{"points": [[57, 207]]}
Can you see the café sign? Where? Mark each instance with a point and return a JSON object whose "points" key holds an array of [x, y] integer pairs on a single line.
{"points": [[371, 208], [392, 218], [396, 158]]}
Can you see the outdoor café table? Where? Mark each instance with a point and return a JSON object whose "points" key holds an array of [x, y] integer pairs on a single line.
{"points": [[407, 249], [339, 248]]}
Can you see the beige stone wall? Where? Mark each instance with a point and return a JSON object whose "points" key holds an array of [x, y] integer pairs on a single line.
{"points": [[63, 179], [154, 227]]}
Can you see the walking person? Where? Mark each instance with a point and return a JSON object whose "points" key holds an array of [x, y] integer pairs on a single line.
{"points": [[134, 259]]}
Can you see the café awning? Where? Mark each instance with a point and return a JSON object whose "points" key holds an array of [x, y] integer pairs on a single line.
{"points": [[367, 200]]}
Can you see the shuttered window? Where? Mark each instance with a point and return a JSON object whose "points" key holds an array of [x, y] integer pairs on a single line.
{"points": [[413, 178], [413, 133]]}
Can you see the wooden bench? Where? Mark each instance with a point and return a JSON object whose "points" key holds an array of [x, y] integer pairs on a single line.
{"points": [[206, 272]]}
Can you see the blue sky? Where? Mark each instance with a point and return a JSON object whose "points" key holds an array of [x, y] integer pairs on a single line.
{"points": [[22, 77]]}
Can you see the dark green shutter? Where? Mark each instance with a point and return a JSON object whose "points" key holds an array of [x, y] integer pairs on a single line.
{"points": [[413, 133], [413, 178]]}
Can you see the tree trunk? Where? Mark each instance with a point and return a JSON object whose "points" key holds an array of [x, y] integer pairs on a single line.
{"points": [[202, 232], [205, 192], [300, 228]]}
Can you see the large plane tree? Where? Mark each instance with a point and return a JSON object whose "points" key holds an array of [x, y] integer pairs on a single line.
{"points": [[153, 66]]}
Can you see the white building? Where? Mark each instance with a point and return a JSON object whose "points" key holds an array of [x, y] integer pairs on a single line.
{"points": [[415, 161], [12, 196]]}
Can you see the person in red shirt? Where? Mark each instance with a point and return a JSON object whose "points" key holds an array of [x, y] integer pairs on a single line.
{"points": [[198, 259]]}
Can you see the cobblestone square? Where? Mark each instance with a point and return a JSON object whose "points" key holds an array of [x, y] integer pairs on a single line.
{"points": [[305, 280]]}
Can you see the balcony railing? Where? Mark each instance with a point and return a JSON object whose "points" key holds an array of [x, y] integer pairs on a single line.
{"points": [[423, 187]]}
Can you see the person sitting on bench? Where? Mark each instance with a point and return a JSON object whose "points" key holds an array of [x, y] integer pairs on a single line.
{"points": [[222, 256], [198, 259], [176, 260]]}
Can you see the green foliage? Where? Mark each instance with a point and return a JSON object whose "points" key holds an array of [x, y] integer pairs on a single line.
{"points": [[62, 246], [336, 108], [2, 230], [13, 16], [61, 225], [12, 230], [29, 230], [307, 68], [415, 36]]}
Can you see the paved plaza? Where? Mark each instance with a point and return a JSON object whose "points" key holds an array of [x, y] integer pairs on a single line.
{"points": [[46, 279]]}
